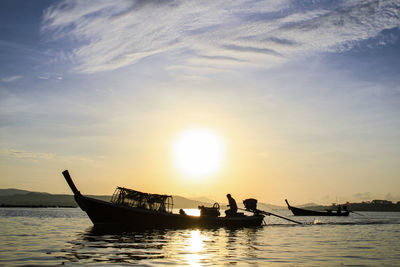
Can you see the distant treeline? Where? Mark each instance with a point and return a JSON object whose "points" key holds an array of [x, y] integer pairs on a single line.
{"points": [[375, 205]]}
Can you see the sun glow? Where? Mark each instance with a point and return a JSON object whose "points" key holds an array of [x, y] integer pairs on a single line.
{"points": [[198, 152]]}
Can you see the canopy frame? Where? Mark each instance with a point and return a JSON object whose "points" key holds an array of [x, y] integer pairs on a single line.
{"points": [[132, 198]]}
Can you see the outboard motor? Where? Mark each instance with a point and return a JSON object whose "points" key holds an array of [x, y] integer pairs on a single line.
{"points": [[250, 204]]}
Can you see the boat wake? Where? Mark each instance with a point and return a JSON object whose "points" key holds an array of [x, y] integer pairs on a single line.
{"points": [[360, 223], [320, 222]]}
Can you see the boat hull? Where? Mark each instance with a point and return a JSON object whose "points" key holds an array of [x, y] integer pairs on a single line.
{"points": [[107, 214], [304, 212]]}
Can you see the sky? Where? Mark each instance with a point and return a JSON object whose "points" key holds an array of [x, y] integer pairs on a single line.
{"points": [[305, 96]]}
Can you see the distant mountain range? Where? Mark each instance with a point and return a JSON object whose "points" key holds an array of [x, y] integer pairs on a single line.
{"points": [[12, 191], [312, 204], [18, 197], [24, 198]]}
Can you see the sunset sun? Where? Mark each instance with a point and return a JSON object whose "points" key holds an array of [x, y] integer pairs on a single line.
{"points": [[198, 152]]}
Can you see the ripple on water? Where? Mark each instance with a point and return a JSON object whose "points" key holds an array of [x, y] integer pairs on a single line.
{"points": [[36, 237]]}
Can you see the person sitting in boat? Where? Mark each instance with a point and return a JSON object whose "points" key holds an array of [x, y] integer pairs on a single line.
{"points": [[339, 209], [232, 211], [345, 208], [182, 212]]}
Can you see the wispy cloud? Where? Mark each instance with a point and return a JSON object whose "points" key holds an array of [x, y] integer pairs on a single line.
{"points": [[14, 153], [11, 78], [36, 156], [118, 33], [50, 76], [44, 77]]}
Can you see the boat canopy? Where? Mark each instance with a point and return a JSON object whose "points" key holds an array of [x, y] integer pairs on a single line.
{"points": [[133, 198]]}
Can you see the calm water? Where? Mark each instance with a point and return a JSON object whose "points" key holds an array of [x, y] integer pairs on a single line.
{"points": [[30, 237]]}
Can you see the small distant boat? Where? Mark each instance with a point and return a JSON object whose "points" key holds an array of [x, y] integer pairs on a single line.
{"points": [[133, 209], [304, 212]]}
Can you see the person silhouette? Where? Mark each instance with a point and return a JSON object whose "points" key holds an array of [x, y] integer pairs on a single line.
{"points": [[232, 206], [345, 208], [339, 209]]}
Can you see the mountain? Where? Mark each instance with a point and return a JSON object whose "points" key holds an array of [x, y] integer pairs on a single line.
{"points": [[186, 203], [269, 207], [16, 197], [308, 205], [42, 199], [37, 199], [12, 191], [203, 199]]}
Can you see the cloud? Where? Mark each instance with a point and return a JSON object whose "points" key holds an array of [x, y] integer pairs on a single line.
{"points": [[14, 153], [44, 77], [36, 156], [110, 35], [11, 78], [50, 76]]}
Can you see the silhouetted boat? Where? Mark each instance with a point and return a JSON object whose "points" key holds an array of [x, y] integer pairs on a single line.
{"points": [[133, 209], [304, 212]]}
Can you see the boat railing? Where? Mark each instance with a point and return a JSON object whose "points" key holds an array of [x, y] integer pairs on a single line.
{"points": [[132, 198]]}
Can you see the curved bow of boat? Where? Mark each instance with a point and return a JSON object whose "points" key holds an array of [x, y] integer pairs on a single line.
{"points": [[77, 195], [288, 205], [71, 183]]}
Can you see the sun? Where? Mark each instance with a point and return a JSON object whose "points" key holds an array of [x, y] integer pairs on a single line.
{"points": [[198, 152]]}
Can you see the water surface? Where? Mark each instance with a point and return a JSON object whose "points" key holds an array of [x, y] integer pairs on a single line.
{"points": [[50, 236]]}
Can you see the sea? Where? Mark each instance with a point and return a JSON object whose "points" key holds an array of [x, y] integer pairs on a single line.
{"points": [[65, 236]]}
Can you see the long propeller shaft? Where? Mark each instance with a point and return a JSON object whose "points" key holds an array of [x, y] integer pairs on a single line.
{"points": [[270, 213]]}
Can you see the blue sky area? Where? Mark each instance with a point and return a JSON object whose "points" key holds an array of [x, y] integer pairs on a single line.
{"points": [[306, 93]]}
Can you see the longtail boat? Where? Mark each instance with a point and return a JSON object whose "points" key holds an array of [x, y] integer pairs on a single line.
{"points": [[133, 209], [304, 212]]}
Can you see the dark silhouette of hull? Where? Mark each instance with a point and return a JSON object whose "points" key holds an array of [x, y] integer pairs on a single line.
{"points": [[108, 214], [304, 212]]}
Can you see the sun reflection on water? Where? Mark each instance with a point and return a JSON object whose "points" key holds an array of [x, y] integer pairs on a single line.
{"points": [[195, 241], [194, 248]]}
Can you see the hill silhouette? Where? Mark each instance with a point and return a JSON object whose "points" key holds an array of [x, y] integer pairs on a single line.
{"points": [[12, 197], [17, 197], [12, 191]]}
